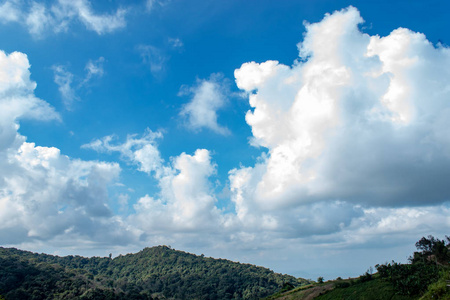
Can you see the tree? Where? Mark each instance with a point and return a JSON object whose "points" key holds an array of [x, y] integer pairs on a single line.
{"points": [[320, 279], [432, 249]]}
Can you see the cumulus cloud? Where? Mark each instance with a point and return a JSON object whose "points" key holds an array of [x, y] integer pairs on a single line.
{"points": [[355, 139], [186, 200], [45, 195], [358, 125], [40, 19], [208, 96], [354, 131]]}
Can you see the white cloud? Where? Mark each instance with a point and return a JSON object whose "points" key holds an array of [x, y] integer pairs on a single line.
{"points": [[186, 202], [93, 69], [142, 152], [16, 92], [357, 150], [64, 79], [208, 96], [44, 195], [40, 19], [186, 199], [357, 125], [9, 12], [106, 23]]}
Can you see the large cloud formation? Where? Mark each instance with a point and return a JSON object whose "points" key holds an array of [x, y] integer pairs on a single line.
{"points": [[356, 139], [357, 122], [45, 195]]}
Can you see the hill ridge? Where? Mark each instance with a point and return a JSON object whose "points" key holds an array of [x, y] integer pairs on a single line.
{"points": [[158, 272]]}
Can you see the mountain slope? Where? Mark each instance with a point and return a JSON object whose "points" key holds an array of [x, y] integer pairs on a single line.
{"points": [[153, 273]]}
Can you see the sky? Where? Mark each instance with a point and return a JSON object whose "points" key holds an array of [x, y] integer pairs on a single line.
{"points": [[309, 137]]}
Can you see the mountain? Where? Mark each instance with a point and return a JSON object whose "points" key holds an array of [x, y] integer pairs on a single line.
{"points": [[153, 273]]}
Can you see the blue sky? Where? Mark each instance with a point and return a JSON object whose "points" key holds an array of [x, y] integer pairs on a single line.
{"points": [[310, 137]]}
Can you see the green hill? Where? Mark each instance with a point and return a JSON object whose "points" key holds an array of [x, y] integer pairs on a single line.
{"points": [[426, 277], [375, 289], [153, 273]]}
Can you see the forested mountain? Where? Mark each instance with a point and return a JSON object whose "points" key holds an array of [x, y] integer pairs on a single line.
{"points": [[153, 273]]}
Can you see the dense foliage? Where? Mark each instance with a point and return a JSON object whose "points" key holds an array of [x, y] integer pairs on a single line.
{"points": [[153, 273], [426, 277], [427, 266]]}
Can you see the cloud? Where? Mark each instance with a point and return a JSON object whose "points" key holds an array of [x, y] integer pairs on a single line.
{"points": [[142, 152], [356, 149], [355, 156], [45, 195], [354, 131], [154, 57], [152, 4], [40, 19], [186, 199], [63, 79], [16, 91], [106, 23], [208, 96], [360, 125], [176, 43], [94, 69], [9, 12]]}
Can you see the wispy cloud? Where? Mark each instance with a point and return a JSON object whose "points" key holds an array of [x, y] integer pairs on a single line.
{"points": [[176, 43], [154, 57], [93, 69], [105, 23], [65, 80], [10, 12], [152, 4], [40, 19], [142, 152]]}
